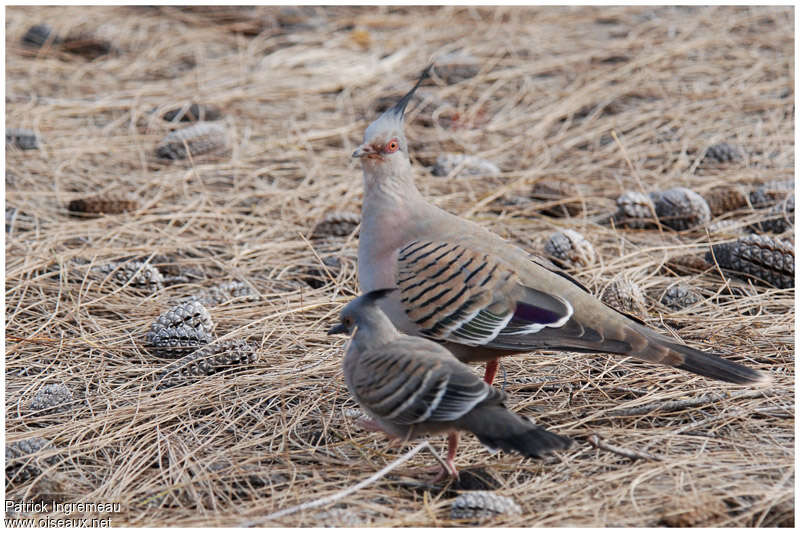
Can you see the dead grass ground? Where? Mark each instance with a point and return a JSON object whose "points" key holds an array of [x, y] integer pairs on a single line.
{"points": [[296, 88]]}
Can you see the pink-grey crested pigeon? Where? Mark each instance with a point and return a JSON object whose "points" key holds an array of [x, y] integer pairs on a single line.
{"points": [[477, 294], [411, 386]]}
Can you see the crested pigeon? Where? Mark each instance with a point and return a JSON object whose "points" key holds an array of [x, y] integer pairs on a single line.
{"points": [[411, 386], [476, 293]]}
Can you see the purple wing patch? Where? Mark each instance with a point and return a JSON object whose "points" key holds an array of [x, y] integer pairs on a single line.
{"points": [[535, 315]]}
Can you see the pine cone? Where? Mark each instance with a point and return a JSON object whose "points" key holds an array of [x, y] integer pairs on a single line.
{"points": [[208, 360], [626, 296], [87, 46], [225, 292], [723, 153], [22, 465], [184, 327], [37, 36], [570, 249], [687, 264], [482, 504], [554, 190], [635, 210], [201, 138], [22, 139], [135, 274], [725, 227], [765, 259], [336, 224], [192, 113], [771, 193], [680, 208], [51, 399], [102, 205], [781, 218], [680, 297], [724, 199]]}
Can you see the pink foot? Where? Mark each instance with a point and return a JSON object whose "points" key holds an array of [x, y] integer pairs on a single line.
{"points": [[449, 468]]}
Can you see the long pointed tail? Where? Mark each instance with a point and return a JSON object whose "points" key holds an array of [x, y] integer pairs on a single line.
{"points": [[702, 363], [624, 336], [499, 429]]}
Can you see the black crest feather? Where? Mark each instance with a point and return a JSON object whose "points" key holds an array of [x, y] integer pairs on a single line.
{"points": [[399, 108]]}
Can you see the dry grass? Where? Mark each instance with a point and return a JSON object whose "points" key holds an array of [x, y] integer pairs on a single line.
{"points": [[553, 85]]}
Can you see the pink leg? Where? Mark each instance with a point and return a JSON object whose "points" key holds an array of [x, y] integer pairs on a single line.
{"points": [[452, 446], [369, 424], [491, 371]]}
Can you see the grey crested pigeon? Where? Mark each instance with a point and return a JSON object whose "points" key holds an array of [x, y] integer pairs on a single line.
{"points": [[411, 386], [477, 294]]}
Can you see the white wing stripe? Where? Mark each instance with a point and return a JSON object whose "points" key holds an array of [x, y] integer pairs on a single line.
{"points": [[411, 397], [435, 403]]}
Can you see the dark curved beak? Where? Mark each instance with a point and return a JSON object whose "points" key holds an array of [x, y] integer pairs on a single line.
{"points": [[338, 328], [363, 151]]}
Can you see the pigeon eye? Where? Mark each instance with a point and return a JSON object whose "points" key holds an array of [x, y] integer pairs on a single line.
{"points": [[392, 146]]}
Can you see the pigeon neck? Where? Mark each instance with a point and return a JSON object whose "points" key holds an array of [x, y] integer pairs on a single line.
{"points": [[390, 184], [391, 208]]}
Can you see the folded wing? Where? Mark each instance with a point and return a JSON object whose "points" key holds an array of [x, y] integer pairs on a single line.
{"points": [[402, 383], [459, 295]]}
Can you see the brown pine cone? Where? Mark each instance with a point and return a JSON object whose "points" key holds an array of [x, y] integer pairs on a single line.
{"points": [[336, 224], [102, 205], [723, 199]]}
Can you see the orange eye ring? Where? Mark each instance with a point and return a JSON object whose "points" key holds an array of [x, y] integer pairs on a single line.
{"points": [[392, 146]]}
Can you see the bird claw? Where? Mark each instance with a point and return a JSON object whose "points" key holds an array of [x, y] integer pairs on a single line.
{"points": [[446, 466], [443, 472]]}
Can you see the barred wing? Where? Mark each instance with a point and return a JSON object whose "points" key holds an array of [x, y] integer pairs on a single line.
{"points": [[459, 295], [401, 382]]}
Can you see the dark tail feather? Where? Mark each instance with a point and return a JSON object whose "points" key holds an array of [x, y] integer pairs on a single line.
{"points": [[630, 337], [498, 428], [714, 366], [660, 349]]}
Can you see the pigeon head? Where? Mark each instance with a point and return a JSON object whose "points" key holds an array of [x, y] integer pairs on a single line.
{"points": [[384, 140], [362, 311]]}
